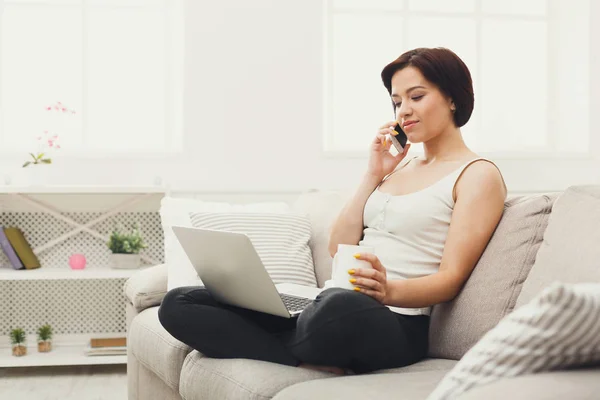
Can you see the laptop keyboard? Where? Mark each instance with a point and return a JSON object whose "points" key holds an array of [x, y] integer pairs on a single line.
{"points": [[294, 303]]}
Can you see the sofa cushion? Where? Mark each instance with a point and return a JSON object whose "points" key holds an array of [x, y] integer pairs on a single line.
{"points": [[211, 378], [146, 288], [155, 348], [433, 369], [558, 329], [148, 386], [280, 240], [570, 251], [428, 364], [175, 211], [408, 385], [322, 208], [580, 384], [492, 289]]}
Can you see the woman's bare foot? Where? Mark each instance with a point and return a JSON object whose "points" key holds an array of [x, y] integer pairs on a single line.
{"points": [[333, 370]]}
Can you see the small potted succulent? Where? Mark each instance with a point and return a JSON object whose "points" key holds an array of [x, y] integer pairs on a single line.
{"points": [[44, 334], [125, 247], [18, 339]]}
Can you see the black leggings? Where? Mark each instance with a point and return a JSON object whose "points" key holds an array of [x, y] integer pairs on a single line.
{"points": [[340, 328]]}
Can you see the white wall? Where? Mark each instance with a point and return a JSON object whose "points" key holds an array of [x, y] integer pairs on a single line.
{"points": [[253, 111], [254, 98]]}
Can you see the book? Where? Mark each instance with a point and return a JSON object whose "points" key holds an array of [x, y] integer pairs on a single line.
{"points": [[108, 342], [9, 251], [105, 351], [22, 248]]}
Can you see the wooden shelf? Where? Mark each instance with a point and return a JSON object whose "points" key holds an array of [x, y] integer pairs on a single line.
{"points": [[66, 273], [60, 355]]}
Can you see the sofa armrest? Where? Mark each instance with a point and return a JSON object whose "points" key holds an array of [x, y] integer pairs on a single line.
{"points": [[146, 288], [569, 384]]}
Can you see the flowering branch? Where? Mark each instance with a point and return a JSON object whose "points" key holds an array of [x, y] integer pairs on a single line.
{"points": [[41, 156], [47, 142]]}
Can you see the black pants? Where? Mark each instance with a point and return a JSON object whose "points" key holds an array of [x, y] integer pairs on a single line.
{"points": [[339, 328]]}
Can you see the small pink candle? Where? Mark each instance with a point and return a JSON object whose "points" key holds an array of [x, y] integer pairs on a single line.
{"points": [[77, 261]]}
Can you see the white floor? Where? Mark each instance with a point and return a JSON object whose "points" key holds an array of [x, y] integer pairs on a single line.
{"points": [[87, 382]]}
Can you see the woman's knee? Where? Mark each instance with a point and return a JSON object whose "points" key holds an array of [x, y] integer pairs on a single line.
{"points": [[176, 300], [331, 306], [168, 303], [338, 300]]}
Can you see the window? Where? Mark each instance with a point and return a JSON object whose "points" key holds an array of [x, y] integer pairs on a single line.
{"points": [[117, 63], [530, 63]]}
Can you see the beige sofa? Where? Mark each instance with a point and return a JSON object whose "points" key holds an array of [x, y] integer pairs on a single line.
{"points": [[518, 262]]}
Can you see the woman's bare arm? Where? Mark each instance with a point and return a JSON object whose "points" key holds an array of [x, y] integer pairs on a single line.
{"points": [[480, 196]]}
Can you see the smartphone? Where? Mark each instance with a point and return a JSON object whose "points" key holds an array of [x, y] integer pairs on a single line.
{"points": [[399, 140]]}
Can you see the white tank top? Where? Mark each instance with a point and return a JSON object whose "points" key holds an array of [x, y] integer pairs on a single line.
{"points": [[408, 232]]}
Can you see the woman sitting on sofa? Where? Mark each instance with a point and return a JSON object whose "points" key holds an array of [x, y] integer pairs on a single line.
{"points": [[429, 220]]}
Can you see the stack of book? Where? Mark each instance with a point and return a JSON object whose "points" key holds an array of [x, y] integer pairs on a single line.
{"points": [[113, 346], [17, 249]]}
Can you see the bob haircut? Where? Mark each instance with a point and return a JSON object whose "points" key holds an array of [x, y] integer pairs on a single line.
{"points": [[443, 68]]}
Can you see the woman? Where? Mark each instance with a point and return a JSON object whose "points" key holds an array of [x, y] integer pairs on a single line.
{"points": [[429, 220]]}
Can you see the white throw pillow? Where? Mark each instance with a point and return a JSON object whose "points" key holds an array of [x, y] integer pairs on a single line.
{"points": [[281, 241], [322, 208], [175, 211], [559, 328]]}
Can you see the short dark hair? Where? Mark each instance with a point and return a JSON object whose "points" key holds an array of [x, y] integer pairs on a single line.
{"points": [[443, 68]]}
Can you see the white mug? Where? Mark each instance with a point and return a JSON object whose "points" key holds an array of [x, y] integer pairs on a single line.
{"points": [[344, 260]]}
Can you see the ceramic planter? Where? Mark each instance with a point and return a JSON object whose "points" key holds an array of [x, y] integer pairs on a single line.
{"points": [[19, 350], [44, 346], [125, 261]]}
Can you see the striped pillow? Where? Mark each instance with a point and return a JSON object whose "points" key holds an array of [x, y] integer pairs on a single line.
{"points": [[559, 328], [281, 241]]}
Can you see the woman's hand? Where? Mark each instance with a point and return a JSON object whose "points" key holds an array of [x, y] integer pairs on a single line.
{"points": [[381, 161], [372, 282]]}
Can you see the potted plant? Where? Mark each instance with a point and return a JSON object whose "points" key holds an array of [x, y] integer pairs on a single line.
{"points": [[17, 339], [125, 247], [44, 338]]}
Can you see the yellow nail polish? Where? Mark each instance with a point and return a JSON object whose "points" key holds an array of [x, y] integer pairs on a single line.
{"points": [[357, 289], [384, 142], [351, 271], [352, 280], [357, 255]]}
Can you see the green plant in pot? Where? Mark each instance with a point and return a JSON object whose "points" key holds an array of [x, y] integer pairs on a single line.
{"points": [[125, 247], [18, 339], [44, 334]]}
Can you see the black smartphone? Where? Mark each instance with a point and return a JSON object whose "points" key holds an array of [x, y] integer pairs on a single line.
{"points": [[399, 140]]}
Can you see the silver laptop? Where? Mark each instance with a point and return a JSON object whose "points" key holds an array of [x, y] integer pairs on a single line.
{"points": [[233, 273]]}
